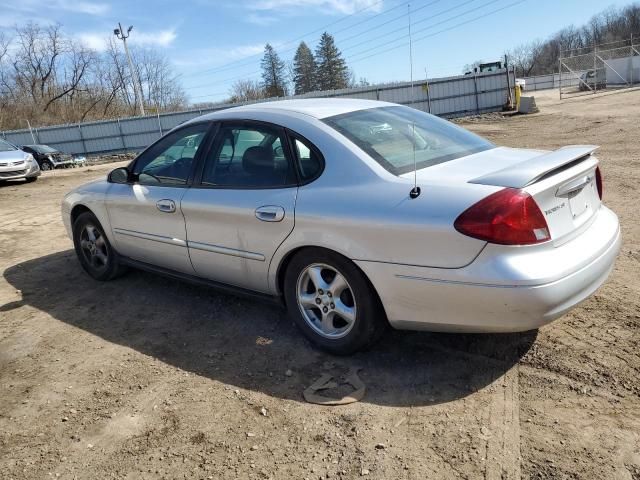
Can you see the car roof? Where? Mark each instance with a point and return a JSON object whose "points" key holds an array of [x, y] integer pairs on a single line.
{"points": [[314, 107]]}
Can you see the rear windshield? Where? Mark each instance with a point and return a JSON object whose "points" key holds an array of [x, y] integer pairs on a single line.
{"points": [[43, 148], [389, 134], [6, 146]]}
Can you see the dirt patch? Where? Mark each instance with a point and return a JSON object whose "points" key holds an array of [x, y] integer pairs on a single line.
{"points": [[146, 377]]}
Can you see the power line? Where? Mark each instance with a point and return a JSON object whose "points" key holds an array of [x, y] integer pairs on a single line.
{"points": [[401, 29], [234, 64], [443, 30], [429, 27], [257, 72], [401, 45]]}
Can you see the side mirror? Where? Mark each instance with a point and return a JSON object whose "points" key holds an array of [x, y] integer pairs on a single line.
{"points": [[119, 175]]}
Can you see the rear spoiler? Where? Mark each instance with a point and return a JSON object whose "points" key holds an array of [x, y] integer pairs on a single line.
{"points": [[530, 171]]}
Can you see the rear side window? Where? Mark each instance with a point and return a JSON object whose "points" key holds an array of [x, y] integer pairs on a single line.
{"points": [[390, 135], [309, 159]]}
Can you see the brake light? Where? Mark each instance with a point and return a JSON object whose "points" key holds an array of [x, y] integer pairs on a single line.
{"points": [[599, 182], [507, 217]]}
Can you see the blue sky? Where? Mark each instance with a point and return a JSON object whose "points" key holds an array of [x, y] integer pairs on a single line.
{"points": [[211, 43]]}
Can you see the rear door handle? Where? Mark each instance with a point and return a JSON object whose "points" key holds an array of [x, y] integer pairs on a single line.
{"points": [[270, 213], [165, 205]]}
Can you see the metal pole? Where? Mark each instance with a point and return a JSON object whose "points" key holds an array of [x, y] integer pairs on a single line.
{"points": [[84, 145], [31, 131], [560, 75], [159, 123], [426, 77], [134, 74], [595, 69], [124, 145]]}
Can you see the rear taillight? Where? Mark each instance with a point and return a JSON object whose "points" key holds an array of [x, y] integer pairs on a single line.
{"points": [[507, 217], [599, 182]]}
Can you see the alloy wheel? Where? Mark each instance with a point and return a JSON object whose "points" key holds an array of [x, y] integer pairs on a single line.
{"points": [[94, 248], [326, 300]]}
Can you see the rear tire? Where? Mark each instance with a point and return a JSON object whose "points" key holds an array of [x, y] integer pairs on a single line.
{"points": [[332, 302], [46, 166], [96, 255]]}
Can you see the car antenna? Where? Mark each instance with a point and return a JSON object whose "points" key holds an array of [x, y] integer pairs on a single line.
{"points": [[415, 191]]}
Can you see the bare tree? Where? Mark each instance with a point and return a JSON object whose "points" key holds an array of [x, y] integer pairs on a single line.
{"points": [[246, 91]]}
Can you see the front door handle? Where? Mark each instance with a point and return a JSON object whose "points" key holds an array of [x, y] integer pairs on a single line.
{"points": [[270, 213], [165, 205]]}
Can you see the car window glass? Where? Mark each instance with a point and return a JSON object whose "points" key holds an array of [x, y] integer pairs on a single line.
{"points": [[169, 161], [402, 138], [309, 161], [248, 157]]}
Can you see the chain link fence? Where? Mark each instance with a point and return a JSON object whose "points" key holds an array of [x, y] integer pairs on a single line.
{"points": [[590, 70]]}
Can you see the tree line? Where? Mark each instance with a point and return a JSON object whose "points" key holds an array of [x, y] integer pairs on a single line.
{"points": [[541, 57], [49, 78], [324, 69]]}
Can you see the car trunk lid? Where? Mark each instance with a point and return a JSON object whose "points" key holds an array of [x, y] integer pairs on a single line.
{"points": [[562, 182]]}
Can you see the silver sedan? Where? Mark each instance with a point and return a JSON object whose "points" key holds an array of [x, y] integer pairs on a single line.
{"points": [[16, 164], [358, 215]]}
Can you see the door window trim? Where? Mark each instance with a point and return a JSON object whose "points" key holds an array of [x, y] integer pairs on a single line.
{"points": [[211, 131], [215, 143], [291, 137]]}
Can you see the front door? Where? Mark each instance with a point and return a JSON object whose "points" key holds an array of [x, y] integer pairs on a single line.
{"points": [[243, 207], [145, 215]]}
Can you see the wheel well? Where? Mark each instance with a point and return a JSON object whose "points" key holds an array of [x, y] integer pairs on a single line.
{"points": [[76, 211], [284, 265]]}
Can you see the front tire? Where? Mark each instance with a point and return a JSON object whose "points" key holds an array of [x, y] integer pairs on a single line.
{"points": [[95, 253], [31, 179], [332, 302], [46, 166]]}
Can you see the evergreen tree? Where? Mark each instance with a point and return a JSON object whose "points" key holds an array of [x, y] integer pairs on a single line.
{"points": [[331, 67], [304, 70], [273, 73]]}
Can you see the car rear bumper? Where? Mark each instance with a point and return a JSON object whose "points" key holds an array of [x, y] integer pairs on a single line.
{"points": [[505, 289]]}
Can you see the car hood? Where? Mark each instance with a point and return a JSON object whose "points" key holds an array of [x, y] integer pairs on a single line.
{"points": [[13, 155], [463, 170]]}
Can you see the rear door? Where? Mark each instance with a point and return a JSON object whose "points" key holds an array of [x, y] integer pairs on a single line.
{"points": [[243, 206], [145, 215]]}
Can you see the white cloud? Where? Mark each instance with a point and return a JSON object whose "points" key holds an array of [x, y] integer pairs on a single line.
{"points": [[84, 7], [211, 57], [100, 40], [259, 19], [328, 6]]}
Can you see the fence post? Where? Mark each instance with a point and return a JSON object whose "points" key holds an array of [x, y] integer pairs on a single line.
{"points": [[560, 73], [595, 68], [84, 145], [475, 86], [159, 123], [124, 145]]}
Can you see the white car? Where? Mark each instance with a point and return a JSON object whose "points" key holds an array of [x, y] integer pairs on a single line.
{"points": [[16, 164], [313, 202]]}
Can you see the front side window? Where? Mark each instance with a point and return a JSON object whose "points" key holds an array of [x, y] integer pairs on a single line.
{"points": [[169, 161], [249, 157], [390, 135]]}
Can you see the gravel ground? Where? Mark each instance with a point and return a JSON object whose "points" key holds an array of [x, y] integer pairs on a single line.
{"points": [[146, 378]]}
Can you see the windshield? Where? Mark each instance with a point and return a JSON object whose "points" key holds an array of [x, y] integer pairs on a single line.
{"points": [[388, 135], [43, 148], [6, 146]]}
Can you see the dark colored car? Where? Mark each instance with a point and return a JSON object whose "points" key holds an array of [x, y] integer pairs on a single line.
{"points": [[49, 158]]}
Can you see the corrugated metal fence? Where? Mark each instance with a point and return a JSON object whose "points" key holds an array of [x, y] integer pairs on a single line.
{"points": [[447, 97]]}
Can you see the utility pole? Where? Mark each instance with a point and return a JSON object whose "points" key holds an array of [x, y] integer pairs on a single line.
{"points": [[121, 35]]}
